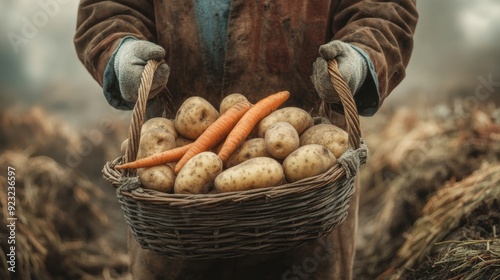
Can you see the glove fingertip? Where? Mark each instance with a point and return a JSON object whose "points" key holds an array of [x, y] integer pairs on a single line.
{"points": [[157, 53], [146, 50], [162, 73], [164, 69], [327, 52], [333, 49]]}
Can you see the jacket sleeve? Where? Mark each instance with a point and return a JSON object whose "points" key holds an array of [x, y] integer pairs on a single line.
{"points": [[383, 32], [101, 25]]}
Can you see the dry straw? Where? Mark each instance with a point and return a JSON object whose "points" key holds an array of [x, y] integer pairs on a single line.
{"points": [[57, 224], [441, 215]]}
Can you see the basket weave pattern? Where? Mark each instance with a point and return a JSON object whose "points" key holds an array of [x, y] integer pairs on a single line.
{"points": [[224, 225]]}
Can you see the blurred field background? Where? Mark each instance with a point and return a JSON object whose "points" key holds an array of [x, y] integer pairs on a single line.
{"points": [[433, 143]]}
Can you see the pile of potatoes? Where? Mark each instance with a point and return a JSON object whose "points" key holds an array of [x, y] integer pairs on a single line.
{"points": [[284, 147]]}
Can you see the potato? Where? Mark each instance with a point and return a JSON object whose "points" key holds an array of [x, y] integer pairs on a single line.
{"points": [[298, 118], [171, 165], [160, 178], [307, 161], [159, 123], [259, 172], [281, 139], [124, 146], [230, 100], [155, 141], [194, 116], [182, 141], [251, 148], [328, 135], [197, 176]]}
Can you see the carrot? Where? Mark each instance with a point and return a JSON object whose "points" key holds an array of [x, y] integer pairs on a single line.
{"points": [[164, 157], [245, 125], [214, 133]]}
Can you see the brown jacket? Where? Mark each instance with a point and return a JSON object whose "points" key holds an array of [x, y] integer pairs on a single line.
{"points": [[271, 46]]}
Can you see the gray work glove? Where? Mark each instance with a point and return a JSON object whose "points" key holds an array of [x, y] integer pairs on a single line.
{"points": [[130, 59], [352, 67]]}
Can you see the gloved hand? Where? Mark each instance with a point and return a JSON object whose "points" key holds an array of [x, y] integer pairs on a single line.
{"points": [[352, 67], [130, 59]]}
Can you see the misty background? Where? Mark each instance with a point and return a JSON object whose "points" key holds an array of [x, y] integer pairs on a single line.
{"points": [[455, 43], [456, 50]]}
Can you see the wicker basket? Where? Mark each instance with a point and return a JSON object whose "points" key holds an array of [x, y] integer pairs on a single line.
{"points": [[225, 225]]}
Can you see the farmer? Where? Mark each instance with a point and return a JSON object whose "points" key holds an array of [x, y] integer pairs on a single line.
{"points": [[213, 48]]}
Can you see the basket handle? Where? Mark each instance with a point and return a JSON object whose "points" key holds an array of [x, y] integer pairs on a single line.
{"points": [[138, 113], [347, 100]]}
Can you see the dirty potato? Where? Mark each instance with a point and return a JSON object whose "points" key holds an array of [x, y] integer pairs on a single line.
{"points": [[197, 176], [281, 139], [159, 124], [251, 148], [155, 141], [182, 141], [298, 118], [231, 100], [160, 178], [328, 135], [124, 146], [259, 172], [194, 116], [307, 161]]}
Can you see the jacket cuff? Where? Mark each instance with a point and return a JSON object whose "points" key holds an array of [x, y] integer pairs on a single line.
{"points": [[110, 84], [367, 98]]}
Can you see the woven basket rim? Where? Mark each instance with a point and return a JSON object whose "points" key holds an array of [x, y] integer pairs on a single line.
{"points": [[336, 172], [143, 194]]}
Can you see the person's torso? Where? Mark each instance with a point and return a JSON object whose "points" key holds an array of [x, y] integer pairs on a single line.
{"points": [[256, 48]]}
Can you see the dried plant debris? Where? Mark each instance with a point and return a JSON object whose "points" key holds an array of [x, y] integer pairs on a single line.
{"points": [[469, 207], [59, 225], [430, 153]]}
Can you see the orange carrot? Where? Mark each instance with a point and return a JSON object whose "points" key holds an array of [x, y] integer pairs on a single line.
{"points": [[245, 125], [214, 134], [171, 155]]}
